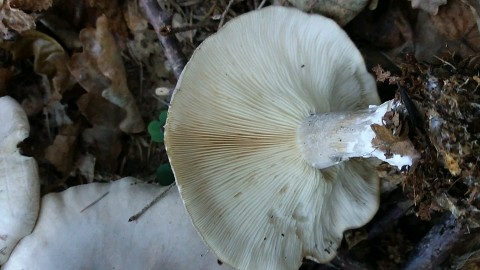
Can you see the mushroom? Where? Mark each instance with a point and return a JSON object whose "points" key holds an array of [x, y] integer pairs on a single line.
{"points": [[19, 181], [269, 138], [87, 227]]}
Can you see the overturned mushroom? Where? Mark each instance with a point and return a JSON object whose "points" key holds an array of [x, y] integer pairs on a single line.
{"points": [[87, 227], [19, 181], [269, 136]]}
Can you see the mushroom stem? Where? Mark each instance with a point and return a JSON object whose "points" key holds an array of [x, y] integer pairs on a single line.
{"points": [[327, 139]]}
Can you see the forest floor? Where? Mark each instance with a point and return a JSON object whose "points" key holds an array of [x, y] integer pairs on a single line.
{"points": [[90, 110]]}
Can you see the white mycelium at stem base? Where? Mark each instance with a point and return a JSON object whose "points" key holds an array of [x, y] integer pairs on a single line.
{"points": [[330, 138]]}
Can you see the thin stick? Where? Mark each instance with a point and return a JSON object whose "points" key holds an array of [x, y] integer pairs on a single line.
{"points": [[225, 13], [94, 202], [167, 30], [261, 4], [159, 18], [154, 201], [445, 62]]}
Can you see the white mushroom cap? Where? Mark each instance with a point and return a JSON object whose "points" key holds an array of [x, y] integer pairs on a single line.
{"points": [[232, 139], [87, 227], [19, 181]]}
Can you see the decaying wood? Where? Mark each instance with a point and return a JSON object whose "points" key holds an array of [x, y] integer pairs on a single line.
{"points": [[435, 247]]}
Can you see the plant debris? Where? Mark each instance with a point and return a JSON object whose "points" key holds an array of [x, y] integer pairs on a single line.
{"points": [[87, 73], [448, 99]]}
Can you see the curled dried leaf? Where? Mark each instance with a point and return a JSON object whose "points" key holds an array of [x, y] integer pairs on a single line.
{"points": [[50, 58], [103, 138], [455, 20], [382, 75], [99, 69], [454, 29], [392, 144], [392, 136], [32, 5], [133, 17], [342, 11], [61, 152], [430, 6], [14, 19], [112, 10]]}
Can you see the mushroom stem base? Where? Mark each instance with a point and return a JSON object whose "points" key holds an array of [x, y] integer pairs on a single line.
{"points": [[330, 138]]}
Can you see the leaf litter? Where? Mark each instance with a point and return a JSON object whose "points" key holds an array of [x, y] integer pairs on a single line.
{"points": [[88, 81]]}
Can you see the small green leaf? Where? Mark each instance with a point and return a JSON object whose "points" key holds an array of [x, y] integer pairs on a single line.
{"points": [[155, 129], [164, 175], [162, 118]]}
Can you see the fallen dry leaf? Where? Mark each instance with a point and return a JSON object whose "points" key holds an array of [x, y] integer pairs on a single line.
{"points": [[391, 144], [50, 59], [342, 11], [112, 10], [61, 152], [99, 69], [58, 114], [133, 17], [31, 5], [388, 28], [455, 21], [85, 165], [453, 30], [5, 76], [103, 140], [63, 31], [382, 75], [396, 29], [15, 19], [430, 6]]}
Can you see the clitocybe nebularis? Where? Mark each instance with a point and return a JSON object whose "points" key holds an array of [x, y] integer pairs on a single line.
{"points": [[261, 189], [19, 180], [87, 227]]}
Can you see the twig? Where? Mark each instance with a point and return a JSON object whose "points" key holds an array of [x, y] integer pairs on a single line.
{"points": [[167, 30], [94, 202], [261, 4], [224, 14], [154, 201], [159, 18], [445, 62], [435, 247]]}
